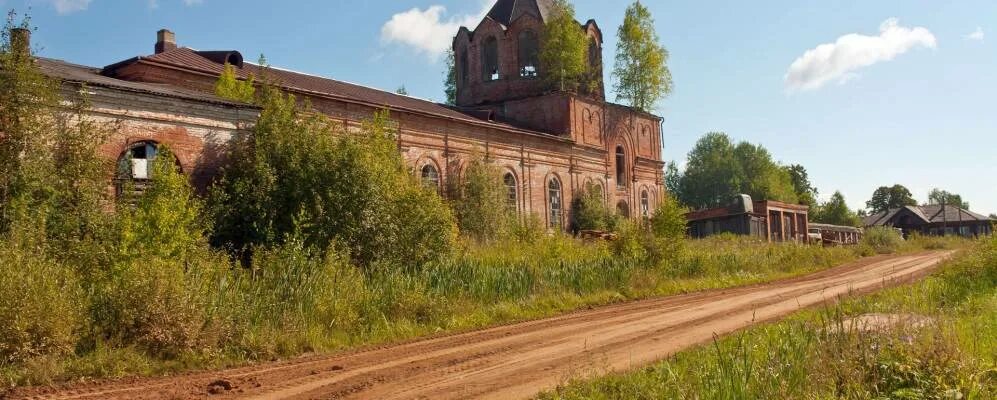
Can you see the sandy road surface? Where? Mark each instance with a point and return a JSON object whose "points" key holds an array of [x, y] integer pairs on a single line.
{"points": [[520, 360]]}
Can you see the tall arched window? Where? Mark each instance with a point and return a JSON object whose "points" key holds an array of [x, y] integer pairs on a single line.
{"points": [[645, 204], [529, 50], [490, 59], [462, 69], [431, 177], [623, 209], [555, 203], [593, 54], [512, 191], [621, 167]]}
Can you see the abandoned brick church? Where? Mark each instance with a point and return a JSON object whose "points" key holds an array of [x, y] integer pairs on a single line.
{"points": [[549, 144]]}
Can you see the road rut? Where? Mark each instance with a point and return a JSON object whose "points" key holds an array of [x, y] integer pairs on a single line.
{"points": [[519, 360]]}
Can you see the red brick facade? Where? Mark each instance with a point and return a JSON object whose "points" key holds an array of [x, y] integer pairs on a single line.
{"points": [[551, 143]]}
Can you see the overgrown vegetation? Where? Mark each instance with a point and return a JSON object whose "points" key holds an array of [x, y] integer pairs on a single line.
{"points": [[823, 354], [564, 50], [641, 72]]}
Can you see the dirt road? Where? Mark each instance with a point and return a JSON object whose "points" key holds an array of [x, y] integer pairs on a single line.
{"points": [[518, 361]]}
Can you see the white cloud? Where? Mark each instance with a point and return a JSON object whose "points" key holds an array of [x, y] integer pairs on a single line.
{"points": [[977, 35], [838, 61], [427, 31], [64, 7]]}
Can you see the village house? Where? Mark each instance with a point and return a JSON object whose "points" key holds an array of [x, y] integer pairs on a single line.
{"points": [[549, 144], [933, 220], [768, 220]]}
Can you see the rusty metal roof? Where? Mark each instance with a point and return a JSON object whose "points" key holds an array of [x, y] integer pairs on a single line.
{"points": [[69, 72]]}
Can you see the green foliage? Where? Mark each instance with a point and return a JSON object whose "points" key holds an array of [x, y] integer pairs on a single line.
{"points": [[718, 170], [402, 90], [673, 180], [836, 212], [299, 173], [481, 202], [590, 210], [450, 78], [887, 198], [40, 306], [882, 240], [641, 72], [564, 49], [229, 86], [938, 196], [805, 191]]}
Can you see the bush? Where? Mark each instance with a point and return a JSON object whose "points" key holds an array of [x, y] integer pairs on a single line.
{"points": [[590, 210], [40, 305], [481, 202], [882, 240]]}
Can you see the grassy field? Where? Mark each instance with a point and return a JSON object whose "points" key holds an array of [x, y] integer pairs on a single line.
{"points": [[941, 344], [208, 317]]}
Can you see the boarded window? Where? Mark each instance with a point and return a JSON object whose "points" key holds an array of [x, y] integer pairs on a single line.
{"points": [[529, 51], [555, 203], [431, 177], [135, 163], [490, 59], [512, 191], [621, 167]]}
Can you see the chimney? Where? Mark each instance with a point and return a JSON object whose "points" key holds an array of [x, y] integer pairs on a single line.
{"points": [[166, 40], [20, 41]]}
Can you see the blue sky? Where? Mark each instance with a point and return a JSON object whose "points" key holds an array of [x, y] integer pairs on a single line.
{"points": [[902, 92]]}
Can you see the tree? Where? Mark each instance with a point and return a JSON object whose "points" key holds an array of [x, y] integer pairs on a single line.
{"points": [[481, 202], [836, 212], [590, 209], [938, 196], [673, 180], [229, 86], [718, 170], [402, 90], [300, 175], [450, 78], [993, 217], [890, 197], [641, 72], [805, 190], [564, 49]]}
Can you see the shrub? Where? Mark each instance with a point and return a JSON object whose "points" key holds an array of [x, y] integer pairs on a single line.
{"points": [[40, 305], [481, 202], [590, 210], [882, 240]]}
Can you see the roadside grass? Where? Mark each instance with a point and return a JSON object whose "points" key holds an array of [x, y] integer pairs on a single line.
{"points": [[291, 305], [826, 353]]}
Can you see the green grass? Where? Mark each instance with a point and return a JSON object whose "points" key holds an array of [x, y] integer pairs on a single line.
{"points": [[816, 356]]}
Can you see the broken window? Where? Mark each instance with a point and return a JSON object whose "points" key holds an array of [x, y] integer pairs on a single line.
{"points": [[555, 202], [431, 177], [529, 51], [490, 59], [512, 191], [135, 162], [621, 167]]}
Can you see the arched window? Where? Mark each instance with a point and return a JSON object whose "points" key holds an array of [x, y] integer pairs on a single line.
{"points": [[462, 69], [623, 209], [431, 177], [645, 204], [593, 54], [621, 167], [136, 162], [490, 59], [529, 50], [555, 203], [512, 191]]}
